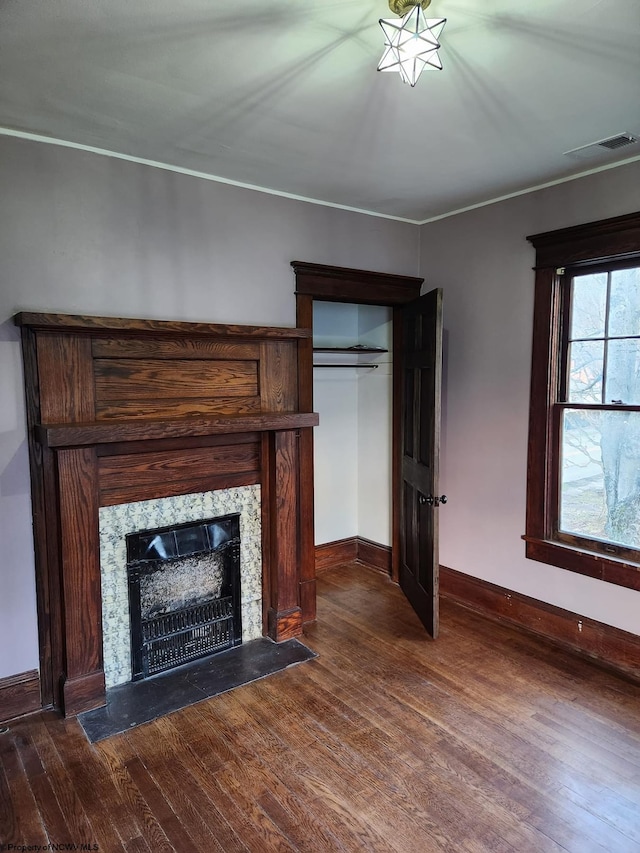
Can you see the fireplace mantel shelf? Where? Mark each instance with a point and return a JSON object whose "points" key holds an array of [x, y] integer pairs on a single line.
{"points": [[104, 432], [129, 327]]}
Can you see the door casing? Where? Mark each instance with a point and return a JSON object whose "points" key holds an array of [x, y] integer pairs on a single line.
{"points": [[363, 287]]}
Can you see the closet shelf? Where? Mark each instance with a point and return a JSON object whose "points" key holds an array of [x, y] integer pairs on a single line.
{"points": [[355, 350], [357, 366]]}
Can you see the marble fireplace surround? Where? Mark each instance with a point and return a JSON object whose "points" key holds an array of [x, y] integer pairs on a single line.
{"points": [[123, 411]]}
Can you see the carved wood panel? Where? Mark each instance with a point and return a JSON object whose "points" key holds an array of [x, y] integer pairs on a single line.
{"points": [[141, 476]]}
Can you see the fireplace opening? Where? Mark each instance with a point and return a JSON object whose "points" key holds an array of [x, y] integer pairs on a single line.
{"points": [[184, 593]]}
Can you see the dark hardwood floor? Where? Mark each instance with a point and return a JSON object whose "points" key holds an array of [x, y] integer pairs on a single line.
{"points": [[486, 740]]}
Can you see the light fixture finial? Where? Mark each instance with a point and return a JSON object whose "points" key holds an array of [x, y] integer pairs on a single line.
{"points": [[401, 7]]}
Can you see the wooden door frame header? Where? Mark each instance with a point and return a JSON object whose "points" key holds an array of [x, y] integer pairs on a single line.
{"points": [[342, 284]]}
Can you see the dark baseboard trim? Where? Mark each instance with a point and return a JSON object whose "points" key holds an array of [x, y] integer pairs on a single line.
{"points": [[373, 555], [19, 695], [334, 553], [84, 693], [604, 644], [365, 551]]}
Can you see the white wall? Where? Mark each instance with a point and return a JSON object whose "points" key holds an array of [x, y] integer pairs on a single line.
{"points": [[81, 233], [375, 394], [335, 398], [483, 262]]}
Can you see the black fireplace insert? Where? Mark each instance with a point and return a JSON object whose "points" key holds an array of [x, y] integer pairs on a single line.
{"points": [[184, 593]]}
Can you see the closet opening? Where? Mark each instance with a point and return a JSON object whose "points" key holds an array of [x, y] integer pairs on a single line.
{"points": [[352, 393]]}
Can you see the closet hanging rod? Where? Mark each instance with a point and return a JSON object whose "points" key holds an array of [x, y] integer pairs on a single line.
{"points": [[368, 366]]}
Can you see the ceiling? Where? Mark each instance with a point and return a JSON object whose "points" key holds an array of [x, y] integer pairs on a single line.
{"points": [[285, 95]]}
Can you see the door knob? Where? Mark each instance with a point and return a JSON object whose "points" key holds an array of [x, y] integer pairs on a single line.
{"points": [[431, 501]]}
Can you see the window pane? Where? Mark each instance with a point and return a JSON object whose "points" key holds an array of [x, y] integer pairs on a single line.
{"points": [[585, 371], [588, 306], [623, 371], [600, 476], [624, 308]]}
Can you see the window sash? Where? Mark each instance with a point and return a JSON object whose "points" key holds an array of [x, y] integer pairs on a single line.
{"points": [[567, 297], [599, 544]]}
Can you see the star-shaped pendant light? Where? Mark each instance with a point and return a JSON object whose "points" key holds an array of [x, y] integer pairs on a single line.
{"points": [[411, 42]]}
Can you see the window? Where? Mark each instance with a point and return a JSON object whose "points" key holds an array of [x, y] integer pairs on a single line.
{"points": [[583, 504], [599, 448]]}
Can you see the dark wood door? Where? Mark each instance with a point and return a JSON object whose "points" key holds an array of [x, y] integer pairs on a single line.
{"points": [[421, 372]]}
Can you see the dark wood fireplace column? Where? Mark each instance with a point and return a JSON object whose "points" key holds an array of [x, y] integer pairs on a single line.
{"points": [[83, 680]]}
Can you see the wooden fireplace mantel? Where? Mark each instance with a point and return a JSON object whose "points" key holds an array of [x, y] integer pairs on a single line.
{"points": [[70, 435], [127, 410]]}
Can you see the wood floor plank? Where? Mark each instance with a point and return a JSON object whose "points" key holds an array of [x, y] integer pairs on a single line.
{"points": [[78, 827], [9, 826], [200, 761], [305, 832], [278, 792], [277, 709], [117, 753], [23, 822], [176, 833], [431, 698], [486, 741], [440, 749], [199, 811], [619, 739], [137, 845], [100, 797], [158, 748], [169, 757], [51, 815]]}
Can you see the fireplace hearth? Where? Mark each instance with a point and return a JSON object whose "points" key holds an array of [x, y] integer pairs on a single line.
{"points": [[184, 593], [137, 702]]}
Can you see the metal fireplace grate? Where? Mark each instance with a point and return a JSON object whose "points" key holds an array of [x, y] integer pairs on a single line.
{"points": [[184, 593], [185, 635]]}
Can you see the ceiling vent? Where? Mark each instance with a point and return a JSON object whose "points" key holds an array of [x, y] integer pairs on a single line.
{"points": [[612, 143]]}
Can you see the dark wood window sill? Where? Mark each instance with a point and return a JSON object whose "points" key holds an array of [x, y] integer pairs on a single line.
{"points": [[616, 571]]}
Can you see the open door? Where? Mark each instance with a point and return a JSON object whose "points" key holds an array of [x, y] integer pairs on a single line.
{"points": [[421, 371]]}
